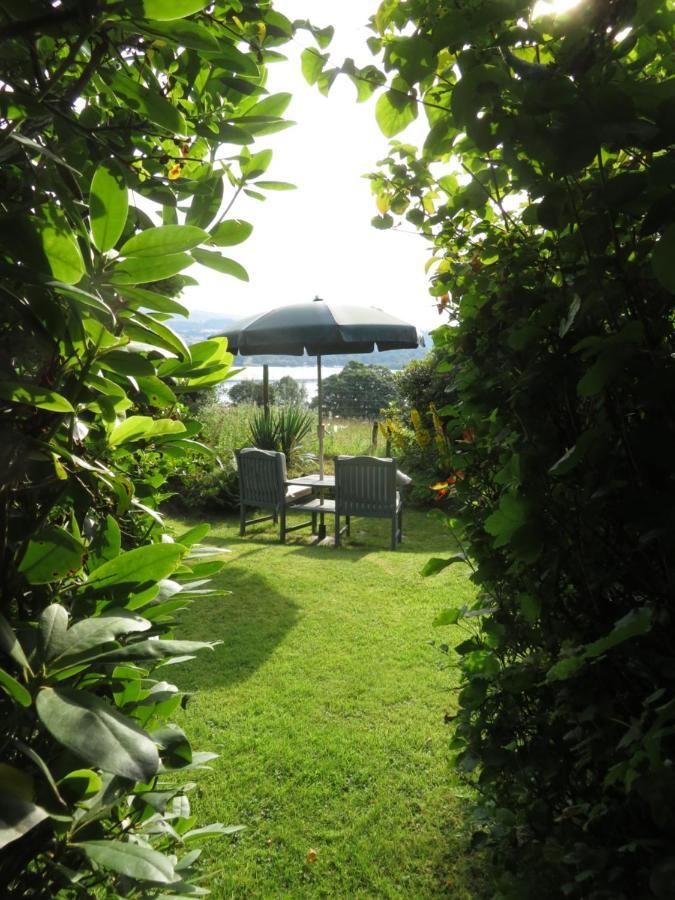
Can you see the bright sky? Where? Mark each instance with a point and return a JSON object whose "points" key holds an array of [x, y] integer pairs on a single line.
{"points": [[318, 239]]}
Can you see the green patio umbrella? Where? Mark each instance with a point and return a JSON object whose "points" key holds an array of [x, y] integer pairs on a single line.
{"points": [[319, 329]]}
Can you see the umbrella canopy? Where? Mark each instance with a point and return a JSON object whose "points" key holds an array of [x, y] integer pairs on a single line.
{"points": [[319, 329]]}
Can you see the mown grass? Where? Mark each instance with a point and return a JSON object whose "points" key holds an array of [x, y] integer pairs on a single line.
{"points": [[326, 703]]}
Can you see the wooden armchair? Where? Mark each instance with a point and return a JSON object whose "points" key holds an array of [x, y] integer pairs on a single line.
{"points": [[262, 485], [366, 486]]}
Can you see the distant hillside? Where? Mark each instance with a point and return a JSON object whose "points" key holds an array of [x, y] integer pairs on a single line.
{"points": [[202, 325]]}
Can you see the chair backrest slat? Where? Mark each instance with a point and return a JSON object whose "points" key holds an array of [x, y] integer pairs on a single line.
{"points": [[365, 486], [262, 474]]}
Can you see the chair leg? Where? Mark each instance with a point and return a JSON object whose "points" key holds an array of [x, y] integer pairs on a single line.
{"points": [[337, 530], [314, 521], [394, 530], [282, 526], [242, 520], [348, 520], [275, 515], [400, 525]]}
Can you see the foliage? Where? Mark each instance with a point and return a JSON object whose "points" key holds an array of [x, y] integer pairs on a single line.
{"points": [[283, 429], [284, 392], [544, 185], [289, 392], [359, 390], [105, 110]]}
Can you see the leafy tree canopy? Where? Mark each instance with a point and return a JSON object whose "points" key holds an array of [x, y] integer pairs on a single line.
{"points": [[359, 390]]}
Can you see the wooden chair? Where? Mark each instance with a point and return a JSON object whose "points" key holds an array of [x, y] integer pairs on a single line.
{"points": [[262, 485], [366, 486]]}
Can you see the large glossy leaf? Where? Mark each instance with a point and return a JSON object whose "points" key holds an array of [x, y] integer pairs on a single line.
{"points": [[142, 298], [206, 202], [135, 567], [108, 205], [220, 263], [34, 395], [149, 649], [167, 10], [126, 362], [9, 643], [231, 232], [142, 270], [97, 733], [53, 627], [17, 817], [157, 392], [394, 111], [164, 239], [150, 104], [51, 554], [143, 428], [132, 860], [186, 34], [59, 245], [93, 632], [14, 688]]}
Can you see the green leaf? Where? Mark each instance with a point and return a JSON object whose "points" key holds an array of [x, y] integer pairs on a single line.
{"points": [[106, 544], [436, 565], [447, 617], [108, 205], [53, 628], [157, 393], [149, 103], [663, 259], [134, 568], [276, 185], [164, 239], [34, 395], [205, 202], [14, 688], [394, 111], [230, 232], [141, 270], [126, 362], [143, 428], [59, 245], [274, 105], [187, 34], [636, 623], [507, 519], [9, 643], [194, 535], [80, 784], [145, 650], [142, 298], [167, 10], [220, 263], [52, 553], [17, 818], [256, 165], [131, 860], [312, 63], [94, 632], [97, 733]]}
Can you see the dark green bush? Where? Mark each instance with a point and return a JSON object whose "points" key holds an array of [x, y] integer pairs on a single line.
{"points": [[545, 185]]}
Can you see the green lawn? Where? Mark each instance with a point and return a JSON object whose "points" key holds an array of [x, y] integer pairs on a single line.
{"points": [[326, 703]]}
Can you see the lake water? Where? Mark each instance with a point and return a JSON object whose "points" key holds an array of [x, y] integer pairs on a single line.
{"points": [[304, 375]]}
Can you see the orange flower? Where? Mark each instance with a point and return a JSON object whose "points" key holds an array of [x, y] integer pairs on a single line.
{"points": [[311, 856], [174, 172], [469, 435]]}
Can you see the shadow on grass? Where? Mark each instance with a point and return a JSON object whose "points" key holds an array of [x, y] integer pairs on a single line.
{"points": [[251, 621]]}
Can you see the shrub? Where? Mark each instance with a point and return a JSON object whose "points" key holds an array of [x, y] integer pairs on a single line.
{"points": [[95, 101], [283, 429]]}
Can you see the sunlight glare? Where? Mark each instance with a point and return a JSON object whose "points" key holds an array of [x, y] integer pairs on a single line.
{"points": [[553, 7]]}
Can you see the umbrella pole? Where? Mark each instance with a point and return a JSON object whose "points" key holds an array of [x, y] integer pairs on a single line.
{"points": [[320, 405], [266, 391]]}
